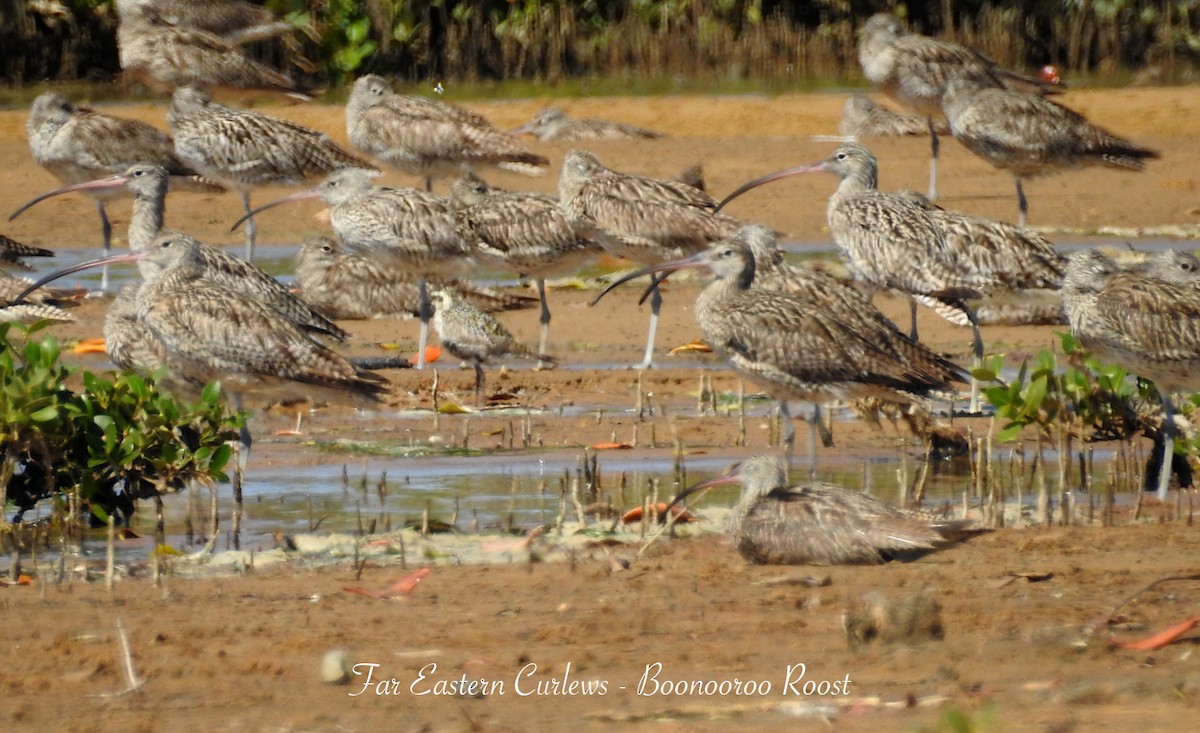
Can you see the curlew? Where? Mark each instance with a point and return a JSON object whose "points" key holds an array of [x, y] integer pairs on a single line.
{"points": [[775, 522], [77, 144], [472, 335], [1030, 136], [862, 117], [429, 138], [12, 253], [798, 349], [526, 233], [892, 242], [234, 21], [148, 184], [914, 70], [244, 149], [201, 331], [175, 46], [552, 124], [642, 219], [1146, 324], [349, 285], [406, 227]]}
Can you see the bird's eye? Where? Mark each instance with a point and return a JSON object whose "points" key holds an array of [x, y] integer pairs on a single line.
{"points": [[842, 156]]}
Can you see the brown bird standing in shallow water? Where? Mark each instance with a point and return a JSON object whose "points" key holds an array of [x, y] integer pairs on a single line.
{"points": [[778, 523], [801, 350]]}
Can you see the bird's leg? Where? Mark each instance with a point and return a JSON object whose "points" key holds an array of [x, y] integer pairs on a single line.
{"points": [[251, 228], [106, 231], [822, 429], [544, 320], [239, 474], [655, 305], [912, 319], [1168, 441], [478, 383], [426, 314], [977, 350], [428, 184], [933, 160], [1022, 204]]}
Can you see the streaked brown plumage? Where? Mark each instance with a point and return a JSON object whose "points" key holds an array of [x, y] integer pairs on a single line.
{"points": [[11, 287], [640, 218], [244, 149], [348, 285], [148, 183], [234, 21], [77, 144], [1029, 136], [862, 117], [776, 522], [1147, 325], [403, 227], [32, 313], [552, 124], [168, 56], [429, 138], [209, 332], [800, 350], [12, 253], [472, 335], [525, 233], [915, 70]]}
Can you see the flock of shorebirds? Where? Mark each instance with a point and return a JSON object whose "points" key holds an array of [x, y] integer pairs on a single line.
{"points": [[201, 313]]}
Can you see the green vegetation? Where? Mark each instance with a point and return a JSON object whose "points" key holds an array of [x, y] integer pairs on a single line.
{"points": [[550, 41], [118, 440]]}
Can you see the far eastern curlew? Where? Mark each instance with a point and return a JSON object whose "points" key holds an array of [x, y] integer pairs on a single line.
{"points": [[776, 522], [427, 137], [914, 70], [1147, 325], [799, 349], [1031, 136], [234, 21], [78, 144], [472, 335], [244, 149], [892, 242], [169, 50], [552, 124], [526, 233], [862, 117], [404, 226], [148, 183], [639, 218], [349, 285]]}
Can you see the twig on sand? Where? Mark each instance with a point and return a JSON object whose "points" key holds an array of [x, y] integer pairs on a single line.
{"points": [[133, 683], [1108, 616]]}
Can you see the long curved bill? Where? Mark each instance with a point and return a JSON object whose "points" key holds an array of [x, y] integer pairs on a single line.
{"points": [[697, 261], [730, 477], [101, 184], [813, 168], [51, 277], [526, 129], [302, 196]]}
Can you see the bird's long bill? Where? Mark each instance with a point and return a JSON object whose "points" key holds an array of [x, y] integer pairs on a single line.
{"points": [[723, 479], [813, 168], [526, 129], [115, 260], [101, 184], [302, 196], [697, 261]]}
